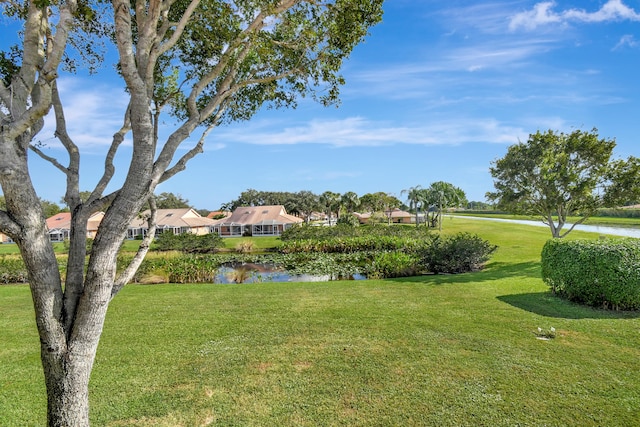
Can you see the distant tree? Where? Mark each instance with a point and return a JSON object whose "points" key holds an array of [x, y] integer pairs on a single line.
{"points": [[348, 218], [441, 196], [379, 202], [330, 201], [479, 206], [415, 196], [623, 183], [84, 196], [171, 201], [227, 207], [555, 174], [306, 203], [350, 201], [49, 209], [248, 197]]}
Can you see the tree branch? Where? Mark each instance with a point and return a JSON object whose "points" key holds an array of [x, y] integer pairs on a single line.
{"points": [[124, 37], [73, 170], [33, 60], [49, 159], [128, 273], [181, 164], [5, 96], [63, 136], [8, 225], [179, 29], [109, 168]]}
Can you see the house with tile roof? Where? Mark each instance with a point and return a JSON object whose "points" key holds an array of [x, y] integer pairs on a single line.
{"points": [[176, 221], [256, 221], [59, 226], [5, 239], [395, 216]]}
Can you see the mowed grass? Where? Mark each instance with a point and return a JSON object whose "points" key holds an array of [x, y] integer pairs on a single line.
{"points": [[450, 350]]}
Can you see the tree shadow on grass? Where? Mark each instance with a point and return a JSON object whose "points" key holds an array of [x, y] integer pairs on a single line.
{"points": [[493, 271], [549, 305]]}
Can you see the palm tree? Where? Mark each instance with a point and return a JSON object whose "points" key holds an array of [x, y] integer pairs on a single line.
{"points": [[331, 201], [415, 196], [350, 201], [442, 195]]}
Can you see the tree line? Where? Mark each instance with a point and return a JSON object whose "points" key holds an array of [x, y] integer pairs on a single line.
{"points": [[431, 201]]}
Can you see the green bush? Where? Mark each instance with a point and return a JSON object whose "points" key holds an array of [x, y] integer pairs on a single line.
{"points": [[618, 213], [188, 243], [600, 273], [349, 220], [190, 268], [459, 253], [352, 244], [305, 231], [12, 270], [392, 264]]}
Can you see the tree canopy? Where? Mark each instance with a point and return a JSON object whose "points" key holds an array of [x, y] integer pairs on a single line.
{"points": [[205, 62], [554, 175]]}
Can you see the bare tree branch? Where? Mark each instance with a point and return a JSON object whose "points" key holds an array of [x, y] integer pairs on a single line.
{"points": [[109, 168], [128, 273], [181, 164], [49, 159]]}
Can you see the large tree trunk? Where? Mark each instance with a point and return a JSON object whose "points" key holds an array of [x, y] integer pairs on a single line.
{"points": [[70, 319], [67, 380]]}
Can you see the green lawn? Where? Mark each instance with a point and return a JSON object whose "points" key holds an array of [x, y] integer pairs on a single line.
{"points": [[450, 350]]}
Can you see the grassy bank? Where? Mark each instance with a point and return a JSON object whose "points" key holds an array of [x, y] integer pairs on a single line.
{"points": [[448, 350]]}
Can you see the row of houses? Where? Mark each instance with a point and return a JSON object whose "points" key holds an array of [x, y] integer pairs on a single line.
{"points": [[254, 221]]}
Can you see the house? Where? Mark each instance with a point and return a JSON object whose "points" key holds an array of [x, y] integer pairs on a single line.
{"points": [[256, 221], [5, 239], [59, 226], [176, 221], [395, 216]]}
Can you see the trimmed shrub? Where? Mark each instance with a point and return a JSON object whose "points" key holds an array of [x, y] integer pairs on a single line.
{"points": [[600, 273], [460, 253]]}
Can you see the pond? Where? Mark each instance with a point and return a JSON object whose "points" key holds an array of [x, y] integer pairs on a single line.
{"points": [[253, 272]]}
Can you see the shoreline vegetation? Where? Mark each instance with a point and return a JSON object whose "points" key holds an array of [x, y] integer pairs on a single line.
{"points": [[493, 347]]}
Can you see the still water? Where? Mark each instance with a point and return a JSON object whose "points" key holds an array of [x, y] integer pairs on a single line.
{"points": [[259, 273]]}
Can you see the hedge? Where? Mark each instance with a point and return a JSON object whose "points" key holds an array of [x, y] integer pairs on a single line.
{"points": [[599, 273]]}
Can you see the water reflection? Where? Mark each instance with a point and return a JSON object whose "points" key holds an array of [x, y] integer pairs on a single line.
{"points": [[235, 272]]}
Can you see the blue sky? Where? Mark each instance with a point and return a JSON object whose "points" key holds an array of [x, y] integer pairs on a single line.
{"points": [[437, 91]]}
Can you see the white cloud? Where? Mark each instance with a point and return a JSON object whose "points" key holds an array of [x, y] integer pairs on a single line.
{"points": [[93, 113], [539, 15], [626, 40], [542, 14], [359, 132]]}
